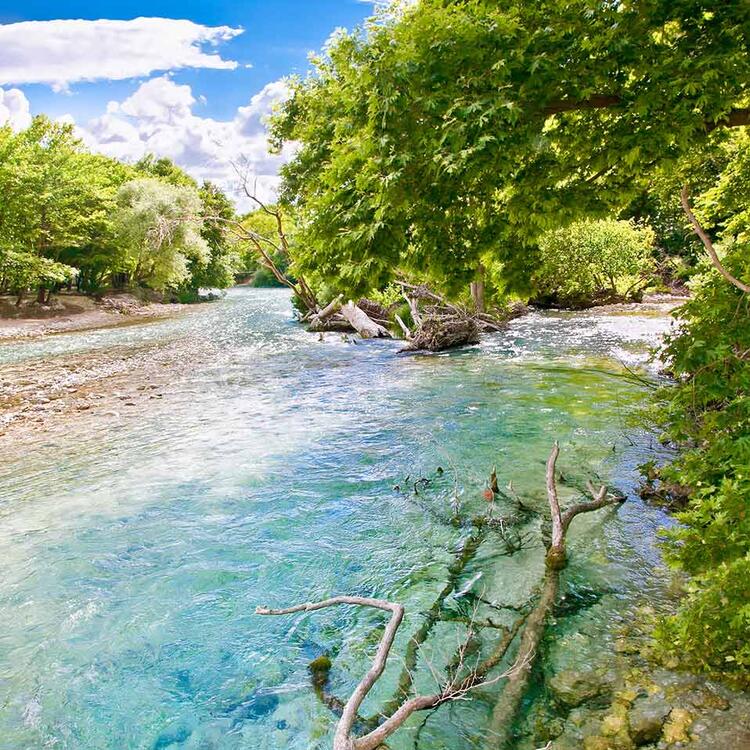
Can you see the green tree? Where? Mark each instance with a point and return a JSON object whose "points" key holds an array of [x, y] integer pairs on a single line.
{"points": [[58, 199], [707, 413], [159, 227], [21, 271], [164, 169], [447, 130], [218, 272], [594, 261]]}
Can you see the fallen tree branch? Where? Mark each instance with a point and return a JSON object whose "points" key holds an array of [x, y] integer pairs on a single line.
{"points": [[454, 689], [510, 700], [361, 322], [706, 240], [461, 680]]}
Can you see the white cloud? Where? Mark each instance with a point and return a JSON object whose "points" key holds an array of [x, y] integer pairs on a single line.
{"points": [[158, 100], [14, 109], [62, 52], [158, 118]]}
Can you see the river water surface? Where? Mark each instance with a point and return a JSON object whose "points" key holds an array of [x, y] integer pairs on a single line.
{"points": [[134, 548]]}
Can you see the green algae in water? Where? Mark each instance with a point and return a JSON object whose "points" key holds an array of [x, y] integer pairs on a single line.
{"points": [[134, 557]]}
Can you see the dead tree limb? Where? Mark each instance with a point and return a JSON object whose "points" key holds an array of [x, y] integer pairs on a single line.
{"points": [[404, 328], [452, 689], [318, 319], [460, 680], [510, 699], [706, 240], [361, 322]]}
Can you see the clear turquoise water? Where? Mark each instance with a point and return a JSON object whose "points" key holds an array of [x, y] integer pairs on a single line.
{"points": [[134, 551]]}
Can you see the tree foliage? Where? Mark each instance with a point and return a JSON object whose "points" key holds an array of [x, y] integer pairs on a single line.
{"points": [[591, 260], [707, 412], [446, 130], [159, 227], [65, 208]]}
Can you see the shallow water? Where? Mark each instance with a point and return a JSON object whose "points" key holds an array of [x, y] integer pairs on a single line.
{"points": [[133, 553]]}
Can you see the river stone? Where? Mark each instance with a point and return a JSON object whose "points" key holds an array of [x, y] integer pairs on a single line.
{"points": [[572, 688], [677, 726], [647, 717]]}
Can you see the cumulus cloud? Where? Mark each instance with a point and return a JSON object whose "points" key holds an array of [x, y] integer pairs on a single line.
{"points": [[158, 118], [62, 52], [14, 109]]}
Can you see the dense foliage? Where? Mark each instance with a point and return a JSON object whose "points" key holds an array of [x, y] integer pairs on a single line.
{"points": [[708, 413], [602, 261], [445, 132], [67, 214]]}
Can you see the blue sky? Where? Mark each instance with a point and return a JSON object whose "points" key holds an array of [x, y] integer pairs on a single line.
{"points": [[277, 38], [192, 82]]}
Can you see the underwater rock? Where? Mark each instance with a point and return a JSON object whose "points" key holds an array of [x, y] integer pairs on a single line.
{"points": [[647, 718], [597, 743], [708, 698], [319, 670], [572, 688], [616, 727], [676, 728], [254, 708], [171, 737]]}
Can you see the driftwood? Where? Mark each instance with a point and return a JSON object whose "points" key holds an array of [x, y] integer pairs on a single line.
{"points": [[440, 324], [440, 332], [355, 733], [362, 323], [375, 311], [453, 689], [322, 319], [510, 699]]}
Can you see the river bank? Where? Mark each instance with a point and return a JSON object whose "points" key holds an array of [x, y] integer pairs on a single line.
{"points": [[70, 312], [229, 459]]}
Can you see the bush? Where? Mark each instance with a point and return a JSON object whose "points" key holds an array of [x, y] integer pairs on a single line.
{"points": [[708, 413], [21, 271], [593, 262]]}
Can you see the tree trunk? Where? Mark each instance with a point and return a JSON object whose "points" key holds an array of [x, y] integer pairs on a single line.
{"points": [[41, 295], [362, 323], [477, 290]]}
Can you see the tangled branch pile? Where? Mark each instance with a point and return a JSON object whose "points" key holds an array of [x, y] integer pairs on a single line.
{"points": [[439, 324]]}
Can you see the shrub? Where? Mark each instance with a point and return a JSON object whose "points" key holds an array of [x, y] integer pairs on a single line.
{"points": [[707, 412], [594, 261]]}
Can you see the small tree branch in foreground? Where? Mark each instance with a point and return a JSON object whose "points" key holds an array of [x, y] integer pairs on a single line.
{"points": [[453, 689]]}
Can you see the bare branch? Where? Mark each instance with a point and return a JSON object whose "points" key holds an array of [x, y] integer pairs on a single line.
{"points": [[404, 327], [342, 740], [554, 503], [705, 239]]}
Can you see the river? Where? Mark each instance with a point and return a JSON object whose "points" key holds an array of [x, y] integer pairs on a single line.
{"points": [[135, 545]]}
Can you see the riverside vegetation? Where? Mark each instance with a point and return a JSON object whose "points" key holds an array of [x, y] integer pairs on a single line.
{"points": [[455, 162]]}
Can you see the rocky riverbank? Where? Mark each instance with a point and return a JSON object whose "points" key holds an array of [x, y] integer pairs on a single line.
{"points": [[69, 312], [624, 697]]}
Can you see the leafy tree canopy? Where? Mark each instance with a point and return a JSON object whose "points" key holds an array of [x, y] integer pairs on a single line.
{"points": [[159, 226], [446, 129], [600, 260]]}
